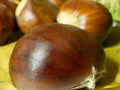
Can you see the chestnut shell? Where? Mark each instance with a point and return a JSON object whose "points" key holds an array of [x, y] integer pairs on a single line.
{"points": [[55, 57], [58, 3], [10, 4], [6, 23], [33, 13], [90, 16]]}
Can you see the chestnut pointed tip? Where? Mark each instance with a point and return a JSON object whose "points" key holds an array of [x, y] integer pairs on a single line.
{"points": [[89, 82]]}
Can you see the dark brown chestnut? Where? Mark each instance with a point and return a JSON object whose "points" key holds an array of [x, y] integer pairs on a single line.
{"points": [[87, 15], [30, 13], [56, 57], [6, 23]]}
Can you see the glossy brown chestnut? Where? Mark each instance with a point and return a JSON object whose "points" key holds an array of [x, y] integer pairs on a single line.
{"points": [[88, 15], [56, 57], [6, 23], [30, 13], [11, 4], [57, 3]]}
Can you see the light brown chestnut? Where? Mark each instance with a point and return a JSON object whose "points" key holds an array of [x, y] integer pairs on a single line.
{"points": [[57, 3], [56, 57], [6, 23], [30, 13], [87, 15]]}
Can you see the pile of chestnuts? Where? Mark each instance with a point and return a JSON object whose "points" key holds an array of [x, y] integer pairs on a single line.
{"points": [[61, 46]]}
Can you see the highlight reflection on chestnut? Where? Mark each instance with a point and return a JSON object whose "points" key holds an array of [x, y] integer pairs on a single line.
{"points": [[56, 57]]}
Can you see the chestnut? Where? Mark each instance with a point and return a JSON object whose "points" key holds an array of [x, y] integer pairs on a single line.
{"points": [[12, 5], [30, 13], [56, 57], [87, 15], [57, 3], [6, 23]]}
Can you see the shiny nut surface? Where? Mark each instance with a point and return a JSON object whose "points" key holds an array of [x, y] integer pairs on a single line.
{"points": [[55, 57]]}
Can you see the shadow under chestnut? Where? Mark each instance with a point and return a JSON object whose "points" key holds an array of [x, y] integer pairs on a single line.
{"points": [[17, 34], [111, 72]]}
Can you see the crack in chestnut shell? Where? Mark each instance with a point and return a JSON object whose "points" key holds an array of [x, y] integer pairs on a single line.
{"points": [[55, 57], [91, 16]]}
